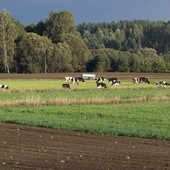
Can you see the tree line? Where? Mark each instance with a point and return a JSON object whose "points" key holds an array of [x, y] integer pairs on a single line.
{"points": [[58, 45]]}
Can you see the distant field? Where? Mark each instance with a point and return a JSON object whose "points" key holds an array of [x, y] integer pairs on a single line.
{"points": [[125, 110], [119, 75]]}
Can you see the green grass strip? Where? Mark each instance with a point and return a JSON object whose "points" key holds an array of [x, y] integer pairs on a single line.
{"points": [[143, 120]]}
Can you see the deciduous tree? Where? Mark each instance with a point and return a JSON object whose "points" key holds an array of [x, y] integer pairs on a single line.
{"points": [[33, 53], [9, 30]]}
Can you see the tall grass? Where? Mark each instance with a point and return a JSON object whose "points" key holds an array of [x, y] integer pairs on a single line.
{"points": [[33, 101]]}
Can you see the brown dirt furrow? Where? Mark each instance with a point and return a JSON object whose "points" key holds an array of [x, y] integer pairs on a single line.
{"points": [[24, 147]]}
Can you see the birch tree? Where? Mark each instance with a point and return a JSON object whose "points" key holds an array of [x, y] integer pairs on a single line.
{"points": [[9, 30]]}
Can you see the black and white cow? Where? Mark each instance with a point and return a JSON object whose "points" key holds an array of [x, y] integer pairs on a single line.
{"points": [[167, 84], [3, 86], [100, 79], [115, 83], [73, 80], [101, 85], [111, 80], [79, 79], [68, 79], [66, 86], [136, 80], [144, 80], [162, 84]]}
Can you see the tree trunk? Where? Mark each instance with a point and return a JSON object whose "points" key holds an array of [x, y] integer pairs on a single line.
{"points": [[6, 67]]}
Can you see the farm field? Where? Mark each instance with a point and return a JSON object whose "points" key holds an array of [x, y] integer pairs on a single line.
{"points": [[126, 110], [25, 147], [159, 76]]}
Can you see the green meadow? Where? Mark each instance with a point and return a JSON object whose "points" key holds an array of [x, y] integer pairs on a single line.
{"points": [[127, 110]]}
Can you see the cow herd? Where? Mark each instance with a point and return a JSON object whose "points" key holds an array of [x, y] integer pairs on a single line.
{"points": [[100, 82], [113, 81], [73, 80]]}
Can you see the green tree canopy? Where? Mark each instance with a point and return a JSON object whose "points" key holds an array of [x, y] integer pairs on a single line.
{"points": [[61, 59], [80, 52], [60, 23], [33, 53], [157, 38]]}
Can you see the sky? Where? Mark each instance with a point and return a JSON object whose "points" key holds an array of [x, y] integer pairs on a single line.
{"points": [[85, 11]]}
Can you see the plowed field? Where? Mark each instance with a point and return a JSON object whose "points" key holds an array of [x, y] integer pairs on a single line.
{"points": [[23, 147], [161, 76]]}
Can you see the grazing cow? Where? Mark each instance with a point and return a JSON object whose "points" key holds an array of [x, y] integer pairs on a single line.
{"points": [[66, 86], [111, 80], [73, 80], [101, 85], [79, 79], [100, 79], [115, 83], [136, 80], [68, 79], [162, 84], [167, 84], [144, 80], [3, 86]]}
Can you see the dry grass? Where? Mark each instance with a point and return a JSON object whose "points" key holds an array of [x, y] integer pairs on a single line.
{"points": [[92, 101]]}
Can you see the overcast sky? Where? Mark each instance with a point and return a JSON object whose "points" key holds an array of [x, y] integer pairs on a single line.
{"points": [[33, 11]]}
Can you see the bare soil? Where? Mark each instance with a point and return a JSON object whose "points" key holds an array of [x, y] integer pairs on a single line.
{"points": [[24, 147]]}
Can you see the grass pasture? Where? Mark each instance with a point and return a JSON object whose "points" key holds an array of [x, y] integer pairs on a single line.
{"points": [[126, 110]]}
